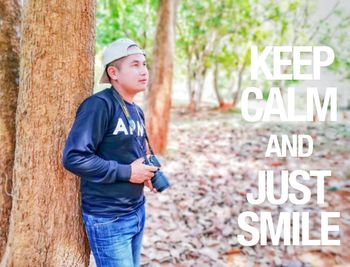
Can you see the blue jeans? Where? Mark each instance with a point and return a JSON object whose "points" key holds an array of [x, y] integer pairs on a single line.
{"points": [[116, 242]]}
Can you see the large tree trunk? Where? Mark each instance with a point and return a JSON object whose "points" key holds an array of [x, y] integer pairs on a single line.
{"points": [[9, 66], [56, 74], [159, 98]]}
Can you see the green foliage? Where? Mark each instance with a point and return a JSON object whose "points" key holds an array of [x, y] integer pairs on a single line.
{"points": [[135, 19]]}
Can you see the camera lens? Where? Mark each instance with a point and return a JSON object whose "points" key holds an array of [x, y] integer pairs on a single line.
{"points": [[159, 181]]}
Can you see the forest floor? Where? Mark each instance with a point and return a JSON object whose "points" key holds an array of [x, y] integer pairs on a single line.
{"points": [[212, 161]]}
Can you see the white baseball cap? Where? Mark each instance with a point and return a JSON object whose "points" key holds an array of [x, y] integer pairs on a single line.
{"points": [[118, 49]]}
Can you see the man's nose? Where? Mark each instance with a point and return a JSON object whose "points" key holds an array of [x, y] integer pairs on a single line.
{"points": [[144, 71]]}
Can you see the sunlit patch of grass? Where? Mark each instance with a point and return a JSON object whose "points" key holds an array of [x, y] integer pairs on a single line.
{"points": [[233, 110]]}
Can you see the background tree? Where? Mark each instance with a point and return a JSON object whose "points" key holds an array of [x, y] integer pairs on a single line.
{"points": [[56, 70], [159, 98], [217, 41], [198, 28], [9, 65]]}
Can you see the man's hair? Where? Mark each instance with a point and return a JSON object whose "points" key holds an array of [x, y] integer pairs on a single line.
{"points": [[116, 63]]}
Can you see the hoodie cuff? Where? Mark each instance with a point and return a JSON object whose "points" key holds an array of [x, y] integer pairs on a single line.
{"points": [[124, 172]]}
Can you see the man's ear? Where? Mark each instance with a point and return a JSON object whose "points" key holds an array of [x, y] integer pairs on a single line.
{"points": [[113, 72]]}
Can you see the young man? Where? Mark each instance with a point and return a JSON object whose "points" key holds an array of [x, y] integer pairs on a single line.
{"points": [[105, 147]]}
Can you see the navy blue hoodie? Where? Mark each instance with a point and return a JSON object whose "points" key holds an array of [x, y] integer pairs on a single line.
{"points": [[100, 148]]}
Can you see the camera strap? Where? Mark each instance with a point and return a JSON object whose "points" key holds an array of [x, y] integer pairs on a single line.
{"points": [[132, 124]]}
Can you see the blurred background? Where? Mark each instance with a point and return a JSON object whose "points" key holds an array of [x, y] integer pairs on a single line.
{"points": [[213, 41], [212, 156]]}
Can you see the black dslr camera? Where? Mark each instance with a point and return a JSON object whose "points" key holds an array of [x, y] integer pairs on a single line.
{"points": [[159, 180]]}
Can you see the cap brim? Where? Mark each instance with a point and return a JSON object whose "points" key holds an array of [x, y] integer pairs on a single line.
{"points": [[104, 78]]}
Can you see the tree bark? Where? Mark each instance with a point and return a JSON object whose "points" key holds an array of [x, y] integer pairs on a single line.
{"points": [[201, 81], [191, 85], [56, 74], [196, 89], [222, 104], [159, 98], [237, 94], [9, 67], [197, 70]]}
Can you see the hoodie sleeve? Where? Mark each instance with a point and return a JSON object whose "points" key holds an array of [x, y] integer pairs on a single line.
{"points": [[79, 155]]}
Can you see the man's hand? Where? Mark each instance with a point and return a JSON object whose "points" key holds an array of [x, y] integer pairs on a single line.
{"points": [[140, 173], [148, 183]]}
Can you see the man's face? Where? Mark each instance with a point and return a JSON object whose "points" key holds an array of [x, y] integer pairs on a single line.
{"points": [[133, 73]]}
